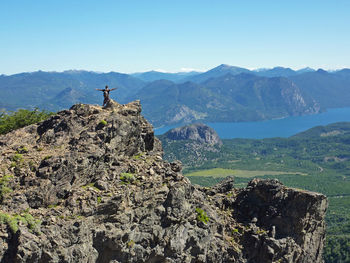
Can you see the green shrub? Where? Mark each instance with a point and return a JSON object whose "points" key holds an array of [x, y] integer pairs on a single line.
{"points": [[127, 177], [261, 232], [52, 206], [131, 243], [10, 221], [202, 216], [235, 230], [26, 219], [17, 157], [4, 189], [47, 157], [91, 185], [32, 166], [137, 156], [103, 122], [17, 161], [22, 150], [13, 120]]}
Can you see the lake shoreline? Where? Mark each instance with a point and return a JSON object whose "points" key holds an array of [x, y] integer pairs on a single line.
{"points": [[281, 127]]}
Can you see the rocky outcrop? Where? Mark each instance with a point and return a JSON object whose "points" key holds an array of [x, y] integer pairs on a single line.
{"points": [[89, 185], [293, 219], [198, 132], [192, 143]]}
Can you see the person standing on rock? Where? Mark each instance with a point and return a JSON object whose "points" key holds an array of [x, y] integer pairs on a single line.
{"points": [[106, 91]]}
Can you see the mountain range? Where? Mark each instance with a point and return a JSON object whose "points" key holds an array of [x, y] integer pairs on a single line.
{"points": [[226, 99], [55, 91], [156, 75], [224, 93]]}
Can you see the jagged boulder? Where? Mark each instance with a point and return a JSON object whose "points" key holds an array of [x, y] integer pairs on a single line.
{"points": [[89, 185]]}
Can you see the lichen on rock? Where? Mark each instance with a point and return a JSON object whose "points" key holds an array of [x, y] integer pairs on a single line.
{"points": [[103, 193]]}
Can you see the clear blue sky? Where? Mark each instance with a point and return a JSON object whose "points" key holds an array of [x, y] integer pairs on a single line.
{"points": [[131, 35]]}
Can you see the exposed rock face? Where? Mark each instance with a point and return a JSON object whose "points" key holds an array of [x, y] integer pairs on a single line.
{"points": [[183, 114], [198, 132], [296, 104], [294, 220], [96, 180]]}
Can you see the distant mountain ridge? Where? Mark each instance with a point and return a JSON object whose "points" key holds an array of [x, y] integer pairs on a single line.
{"points": [[224, 93], [229, 98], [330, 89], [47, 89], [156, 75], [218, 71]]}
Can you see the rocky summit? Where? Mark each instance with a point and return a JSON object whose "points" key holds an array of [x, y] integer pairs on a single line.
{"points": [[89, 185]]}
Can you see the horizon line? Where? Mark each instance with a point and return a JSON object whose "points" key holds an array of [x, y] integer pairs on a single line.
{"points": [[175, 72]]}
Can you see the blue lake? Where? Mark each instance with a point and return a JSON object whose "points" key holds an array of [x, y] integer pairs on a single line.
{"points": [[273, 128]]}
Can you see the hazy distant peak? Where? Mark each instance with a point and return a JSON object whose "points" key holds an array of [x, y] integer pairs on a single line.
{"points": [[260, 69], [306, 69], [81, 71], [286, 69], [279, 67], [72, 71], [322, 71], [344, 70], [225, 67]]}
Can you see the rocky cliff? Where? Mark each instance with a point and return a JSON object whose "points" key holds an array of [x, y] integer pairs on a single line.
{"points": [[89, 185]]}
